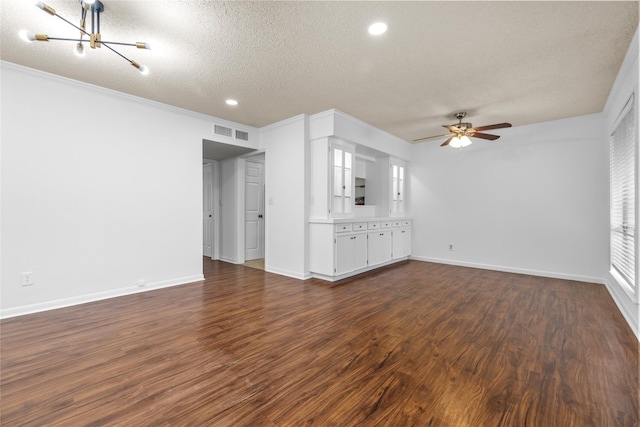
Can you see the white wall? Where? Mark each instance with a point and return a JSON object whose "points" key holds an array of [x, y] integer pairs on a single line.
{"points": [[531, 202], [626, 84], [99, 190], [286, 209]]}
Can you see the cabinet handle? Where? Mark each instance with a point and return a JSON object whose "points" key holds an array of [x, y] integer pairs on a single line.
{"points": [[382, 234]]}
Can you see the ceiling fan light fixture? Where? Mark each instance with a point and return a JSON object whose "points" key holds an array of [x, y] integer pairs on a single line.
{"points": [[460, 142]]}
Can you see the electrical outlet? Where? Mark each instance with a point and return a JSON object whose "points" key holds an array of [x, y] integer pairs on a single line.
{"points": [[451, 247], [27, 279]]}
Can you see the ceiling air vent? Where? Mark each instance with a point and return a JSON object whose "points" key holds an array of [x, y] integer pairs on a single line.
{"points": [[240, 134], [222, 130]]}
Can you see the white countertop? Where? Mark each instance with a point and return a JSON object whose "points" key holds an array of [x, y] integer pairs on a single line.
{"points": [[356, 219]]}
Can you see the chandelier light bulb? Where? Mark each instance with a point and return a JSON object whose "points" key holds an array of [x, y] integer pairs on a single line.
{"points": [[79, 50], [231, 102], [143, 70], [27, 36], [89, 2]]}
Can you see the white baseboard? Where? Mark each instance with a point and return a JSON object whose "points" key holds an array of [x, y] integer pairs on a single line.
{"points": [[629, 310], [542, 273], [82, 299], [288, 273], [356, 272]]}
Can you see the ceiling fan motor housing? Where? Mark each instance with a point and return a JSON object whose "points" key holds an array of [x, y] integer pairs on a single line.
{"points": [[463, 126]]}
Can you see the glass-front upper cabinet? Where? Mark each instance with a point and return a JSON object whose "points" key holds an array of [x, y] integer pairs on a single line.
{"points": [[342, 193], [397, 177]]}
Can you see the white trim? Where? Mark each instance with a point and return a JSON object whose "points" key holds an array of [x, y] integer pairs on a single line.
{"points": [[284, 122], [356, 272], [625, 69], [382, 133], [288, 273], [132, 98], [630, 312], [98, 296], [541, 273]]}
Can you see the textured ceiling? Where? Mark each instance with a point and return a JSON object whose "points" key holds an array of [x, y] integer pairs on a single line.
{"points": [[522, 62]]}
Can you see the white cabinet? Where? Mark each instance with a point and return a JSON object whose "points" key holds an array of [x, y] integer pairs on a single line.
{"points": [[379, 246], [332, 178], [345, 247], [350, 252], [401, 241], [342, 181]]}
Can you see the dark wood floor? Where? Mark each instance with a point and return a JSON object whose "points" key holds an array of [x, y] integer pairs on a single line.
{"points": [[414, 344]]}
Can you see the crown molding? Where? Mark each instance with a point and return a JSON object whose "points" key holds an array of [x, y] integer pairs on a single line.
{"points": [[32, 72]]}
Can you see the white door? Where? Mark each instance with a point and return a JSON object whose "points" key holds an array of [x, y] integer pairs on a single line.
{"points": [[254, 211], [207, 210]]}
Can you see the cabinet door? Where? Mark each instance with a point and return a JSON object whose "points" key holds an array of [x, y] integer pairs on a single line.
{"points": [[397, 189], [344, 253], [342, 182], [379, 247], [401, 242], [360, 251]]}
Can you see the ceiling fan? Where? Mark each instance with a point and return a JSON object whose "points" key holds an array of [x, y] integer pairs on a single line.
{"points": [[460, 132]]}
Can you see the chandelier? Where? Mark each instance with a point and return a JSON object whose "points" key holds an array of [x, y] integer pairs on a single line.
{"points": [[94, 38]]}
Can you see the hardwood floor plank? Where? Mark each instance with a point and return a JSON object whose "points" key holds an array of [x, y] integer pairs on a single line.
{"points": [[411, 344]]}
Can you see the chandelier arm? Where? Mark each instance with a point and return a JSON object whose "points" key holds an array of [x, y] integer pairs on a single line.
{"points": [[83, 19], [119, 43], [117, 53], [73, 25], [64, 39]]}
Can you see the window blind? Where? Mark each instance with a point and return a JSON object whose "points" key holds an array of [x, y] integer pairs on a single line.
{"points": [[623, 165]]}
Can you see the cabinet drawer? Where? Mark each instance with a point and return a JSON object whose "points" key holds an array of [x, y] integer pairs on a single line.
{"points": [[385, 224], [341, 228], [373, 225], [357, 226]]}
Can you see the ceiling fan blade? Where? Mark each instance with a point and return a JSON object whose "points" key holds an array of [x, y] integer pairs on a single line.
{"points": [[496, 126], [446, 142], [451, 128], [484, 136], [431, 137]]}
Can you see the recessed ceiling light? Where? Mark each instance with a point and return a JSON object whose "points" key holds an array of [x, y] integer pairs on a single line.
{"points": [[377, 28], [231, 102]]}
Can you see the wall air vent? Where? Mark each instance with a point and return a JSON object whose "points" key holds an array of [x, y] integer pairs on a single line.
{"points": [[240, 134], [222, 130]]}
